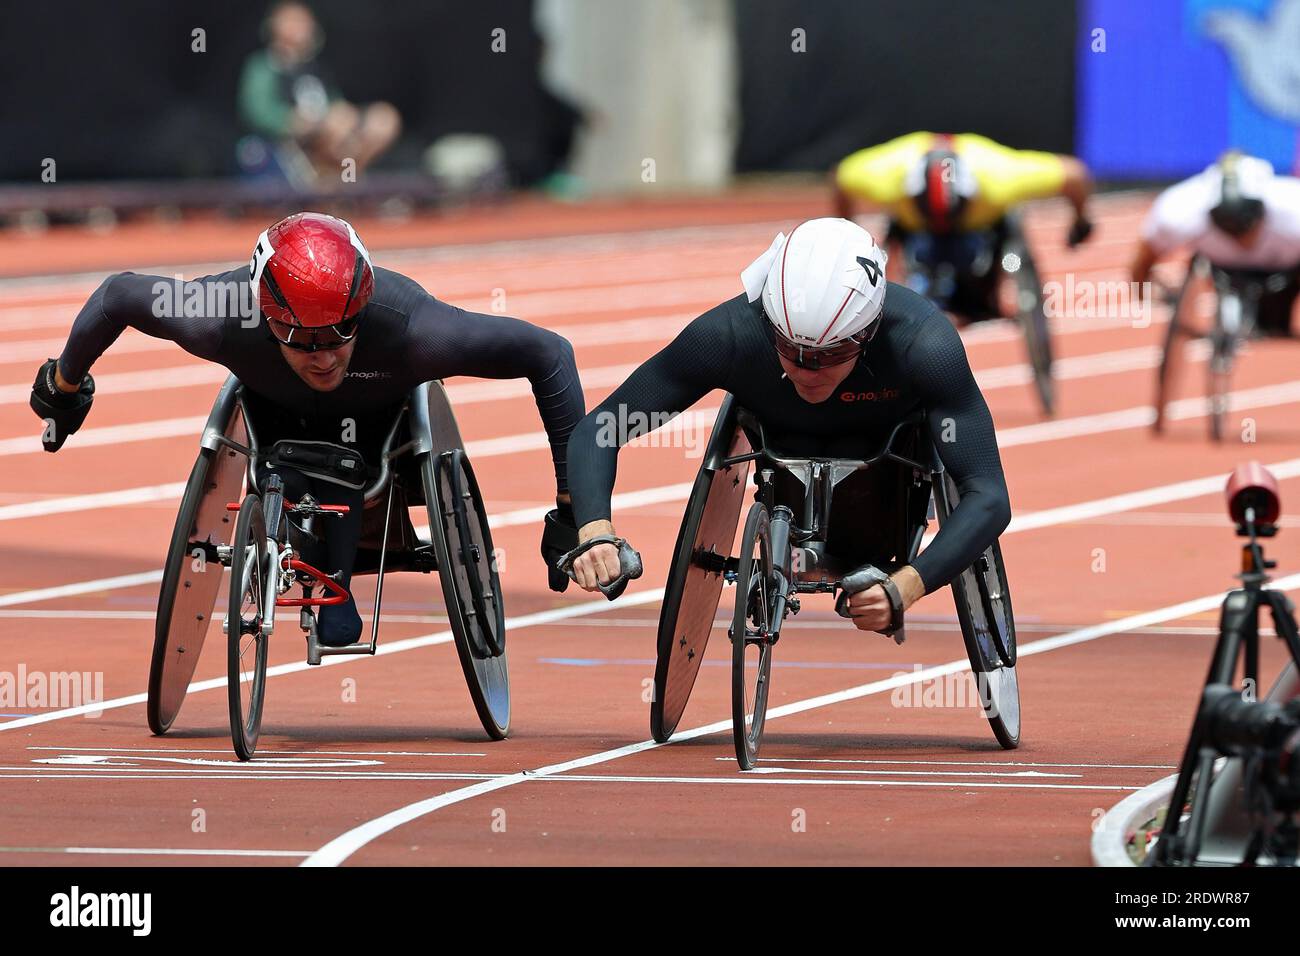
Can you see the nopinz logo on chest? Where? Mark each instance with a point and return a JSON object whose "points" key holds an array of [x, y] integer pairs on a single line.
{"points": [[883, 394]]}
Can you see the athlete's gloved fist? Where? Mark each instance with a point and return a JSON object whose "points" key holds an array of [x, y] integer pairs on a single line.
{"points": [[1080, 230], [603, 562], [559, 537], [63, 412]]}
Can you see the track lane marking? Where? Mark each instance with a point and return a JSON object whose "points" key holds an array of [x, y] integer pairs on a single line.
{"points": [[338, 850], [293, 667], [1050, 517], [149, 851]]}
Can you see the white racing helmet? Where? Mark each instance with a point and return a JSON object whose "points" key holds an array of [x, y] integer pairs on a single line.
{"points": [[822, 288]]}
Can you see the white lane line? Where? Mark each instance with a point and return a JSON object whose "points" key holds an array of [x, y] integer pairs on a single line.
{"points": [[270, 753], [230, 769], [81, 587], [919, 773], [1133, 500], [147, 494], [1121, 209], [80, 614], [1085, 510], [149, 851], [821, 781], [346, 844], [156, 380], [396, 647], [960, 763], [1137, 417], [753, 780], [38, 350]]}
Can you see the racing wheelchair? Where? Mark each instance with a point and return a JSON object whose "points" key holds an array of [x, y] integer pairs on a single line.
{"points": [[1235, 321], [791, 512], [963, 273], [263, 539]]}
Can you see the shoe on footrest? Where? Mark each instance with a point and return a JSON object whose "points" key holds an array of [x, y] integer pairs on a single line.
{"points": [[338, 625]]}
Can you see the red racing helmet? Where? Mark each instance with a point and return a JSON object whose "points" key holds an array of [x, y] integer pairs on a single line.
{"points": [[940, 185], [312, 277]]}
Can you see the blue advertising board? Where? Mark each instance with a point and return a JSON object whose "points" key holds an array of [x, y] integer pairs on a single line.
{"points": [[1164, 86]]}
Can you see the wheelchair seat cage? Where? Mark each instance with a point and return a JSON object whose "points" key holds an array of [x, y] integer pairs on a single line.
{"points": [[422, 463], [769, 582]]}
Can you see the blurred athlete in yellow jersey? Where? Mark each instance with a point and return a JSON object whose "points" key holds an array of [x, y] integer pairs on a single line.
{"points": [[951, 187], [943, 183], [951, 204]]}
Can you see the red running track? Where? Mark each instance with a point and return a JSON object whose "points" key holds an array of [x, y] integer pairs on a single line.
{"points": [[381, 760]]}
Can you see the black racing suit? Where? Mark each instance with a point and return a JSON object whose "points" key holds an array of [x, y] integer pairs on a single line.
{"points": [[405, 337], [915, 361]]}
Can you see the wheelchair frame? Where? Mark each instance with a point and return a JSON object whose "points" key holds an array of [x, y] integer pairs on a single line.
{"points": [[444, 484], [980, 593], [1236, 311], [1008, 254]]}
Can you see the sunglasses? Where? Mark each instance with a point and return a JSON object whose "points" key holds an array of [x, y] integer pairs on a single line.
{"points": [[817, 358], [304, 339]]}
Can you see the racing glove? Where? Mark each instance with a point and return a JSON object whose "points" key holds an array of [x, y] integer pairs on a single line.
{"points": [[63, 412]]}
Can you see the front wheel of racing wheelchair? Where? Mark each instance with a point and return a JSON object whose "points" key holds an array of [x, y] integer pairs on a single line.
{"points": [[766, 588], [424, 463]]}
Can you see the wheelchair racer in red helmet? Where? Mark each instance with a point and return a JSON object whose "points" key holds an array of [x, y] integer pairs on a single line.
{"points": [[357, 339]]}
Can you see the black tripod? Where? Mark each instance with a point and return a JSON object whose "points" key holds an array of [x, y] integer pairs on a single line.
{"points": [[1230, 722]]}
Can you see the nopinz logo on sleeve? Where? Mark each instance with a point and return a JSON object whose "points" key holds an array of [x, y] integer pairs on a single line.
{"points": [[85, 909]]}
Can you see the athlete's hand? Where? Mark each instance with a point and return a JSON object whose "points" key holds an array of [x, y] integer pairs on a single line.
{"points": [[61, 405], [600, 564], [870, 609], [1079, 232]]}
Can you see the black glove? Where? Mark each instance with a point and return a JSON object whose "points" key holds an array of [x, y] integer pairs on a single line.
{"points": [[1080, 230], [559, 537], [63, 412]]}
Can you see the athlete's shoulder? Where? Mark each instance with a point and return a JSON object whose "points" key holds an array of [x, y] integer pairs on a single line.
{"points": [[905, 308], [1282, 199], [910, 318], [398, 292]]}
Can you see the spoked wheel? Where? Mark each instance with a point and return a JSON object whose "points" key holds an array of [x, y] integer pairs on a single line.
{"points": [[754, 630], [251, 580], [471, 588], [1033, 321]]}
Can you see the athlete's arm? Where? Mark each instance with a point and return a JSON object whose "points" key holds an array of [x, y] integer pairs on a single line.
{"points": [[669, 382], [962, 430], [693, 364], [1144, 259], [156, 306], [445, 340], [1077, 186]]}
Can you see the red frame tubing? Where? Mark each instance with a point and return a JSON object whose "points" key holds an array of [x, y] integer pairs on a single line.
{"points": [[341, 509], [339, 593], [338, 596]]}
